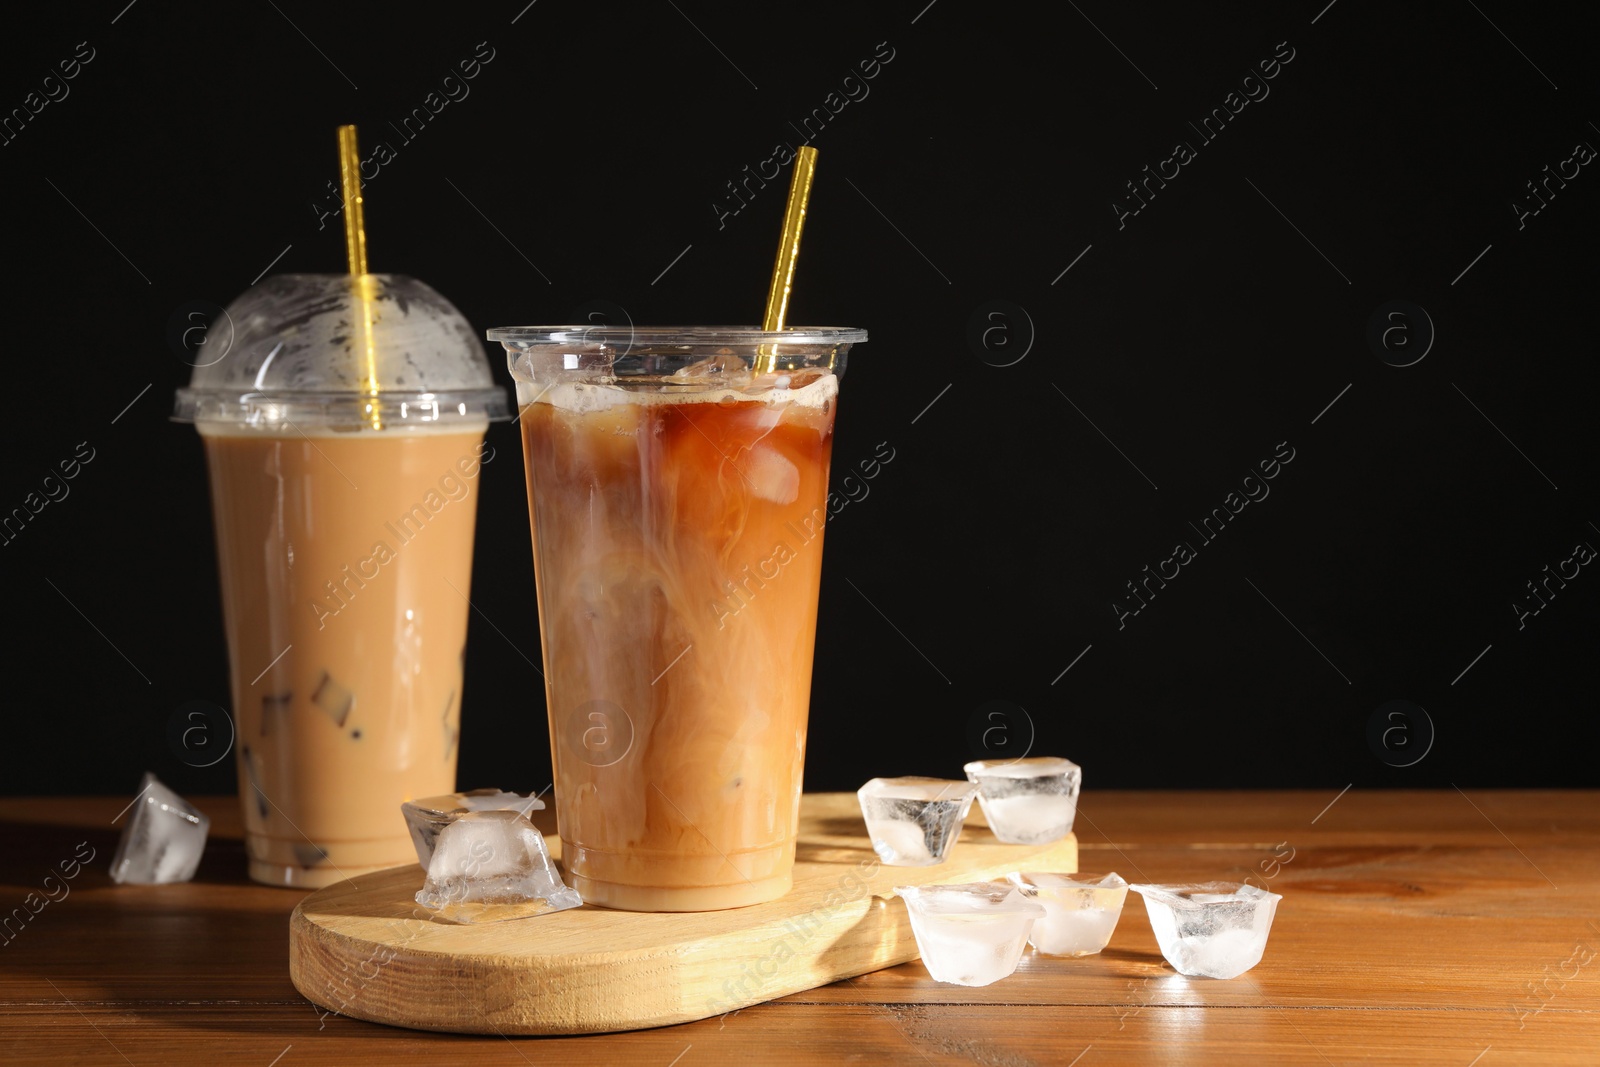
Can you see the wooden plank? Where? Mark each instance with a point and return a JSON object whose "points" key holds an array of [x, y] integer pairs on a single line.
{"points": [[784, 1034], [365, 949]]}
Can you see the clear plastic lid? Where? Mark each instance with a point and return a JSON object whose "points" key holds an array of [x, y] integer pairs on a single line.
{"points": [[297, 349], [744, 358], [630, 336]]}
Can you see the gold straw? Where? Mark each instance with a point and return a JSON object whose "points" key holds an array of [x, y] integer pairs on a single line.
{"points": [[355, 227], [355, 247], [794, 220]]}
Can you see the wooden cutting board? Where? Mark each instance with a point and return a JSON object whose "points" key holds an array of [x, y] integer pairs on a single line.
{"points": [[363, 948]]}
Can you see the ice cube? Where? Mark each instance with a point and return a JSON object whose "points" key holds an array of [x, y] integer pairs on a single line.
{"points": [[1027, 801], [722, 365], [772, 475], [427, 816], [900, 842], [452, 730], [308, 854], [274, 706], [333, 698], [1212, 930], [162, 840], [489, 866], [499, 800], [252, 771], [1029, 818], [970, 934], [1081, 910], [913, 821]]}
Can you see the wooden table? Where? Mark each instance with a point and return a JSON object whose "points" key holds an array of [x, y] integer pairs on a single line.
{"points": [[1452, 928]]}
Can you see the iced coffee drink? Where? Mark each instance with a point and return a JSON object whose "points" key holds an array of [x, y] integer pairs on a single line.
{"points": [[677, 500], [344, 522]]}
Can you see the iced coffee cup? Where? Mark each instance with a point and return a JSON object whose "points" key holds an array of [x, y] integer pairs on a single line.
{"points": [[343, 433], [678, 487]]}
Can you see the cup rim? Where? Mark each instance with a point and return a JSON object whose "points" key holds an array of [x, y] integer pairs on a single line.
{"points": [[340, 408], [527, 336]]}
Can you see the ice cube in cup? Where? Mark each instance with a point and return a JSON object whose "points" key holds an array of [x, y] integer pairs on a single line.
{"points": [[914, 821], [1027, 801], [970, 934], [428, 816], [162, 840], [489, 866], [1212, 929], [1081, 910]]}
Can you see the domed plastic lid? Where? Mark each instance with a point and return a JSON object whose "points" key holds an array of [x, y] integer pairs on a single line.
{"points": [[297, 349]]}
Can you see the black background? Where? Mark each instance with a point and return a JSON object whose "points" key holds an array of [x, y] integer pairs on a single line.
{"points": [[1221, 320]]}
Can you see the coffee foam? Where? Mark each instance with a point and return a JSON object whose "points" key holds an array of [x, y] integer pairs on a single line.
{"points": [[391, 430], [585, 397]]}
